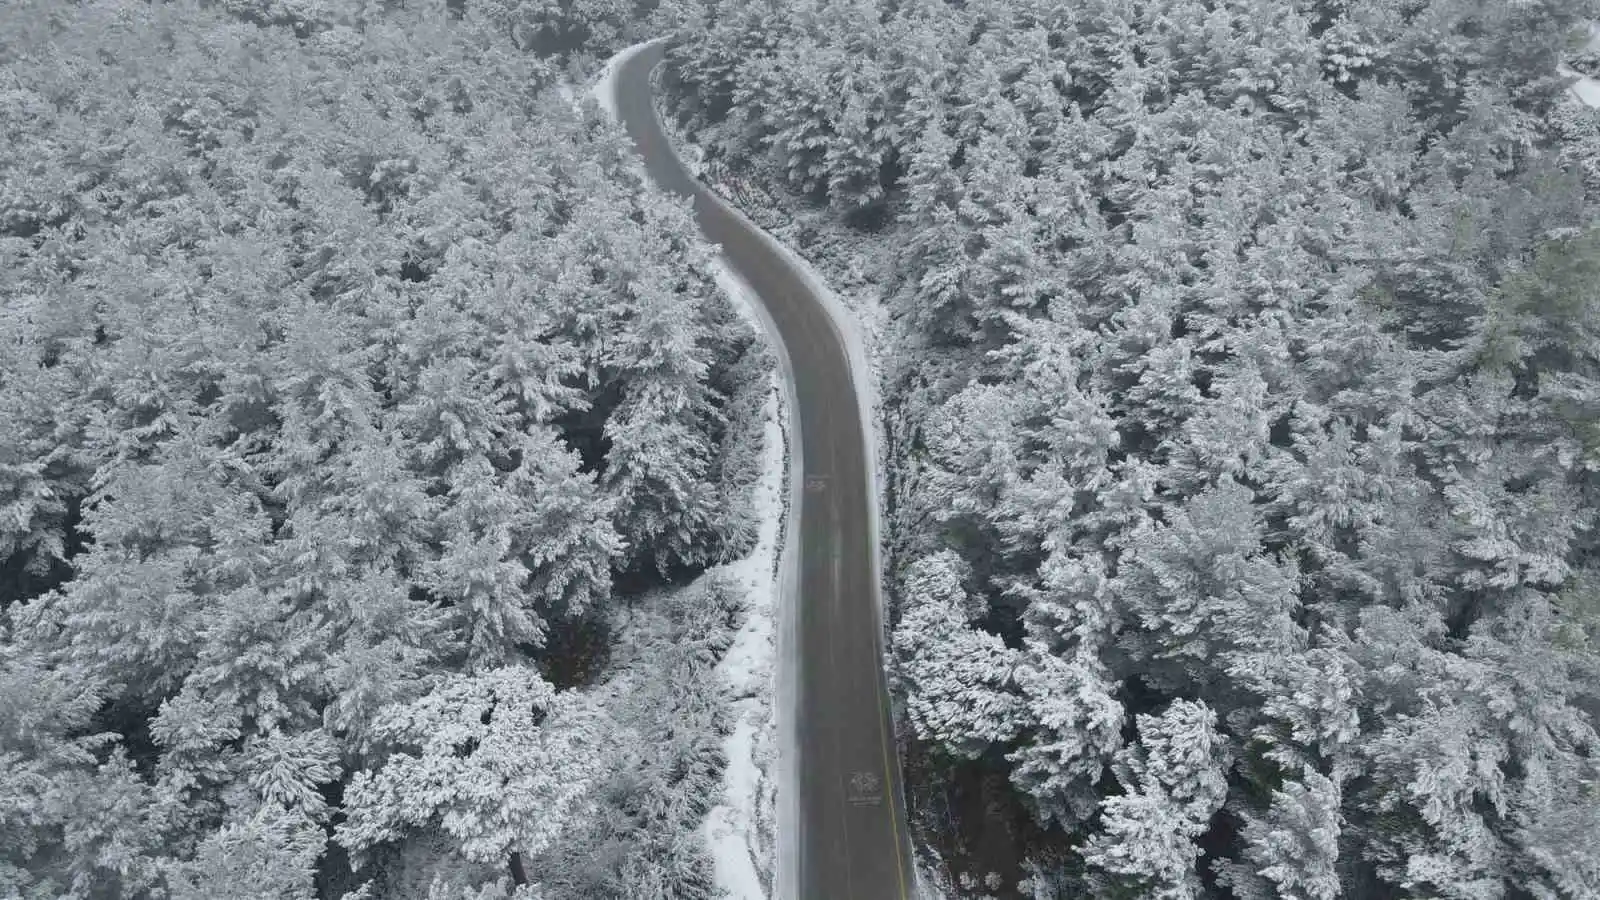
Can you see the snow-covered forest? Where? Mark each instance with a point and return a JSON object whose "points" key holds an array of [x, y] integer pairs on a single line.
{"points": [[1242, 402], [350, 381]]}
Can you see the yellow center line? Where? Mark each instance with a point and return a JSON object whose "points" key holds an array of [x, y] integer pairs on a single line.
{"points": [[894, 819], [883, 739]]}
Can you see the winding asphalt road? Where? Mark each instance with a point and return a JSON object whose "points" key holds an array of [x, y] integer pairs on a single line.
{"points": [[851, 842]]}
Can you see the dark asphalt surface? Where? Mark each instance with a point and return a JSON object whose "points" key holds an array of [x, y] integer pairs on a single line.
{"points": [[852, 843]]}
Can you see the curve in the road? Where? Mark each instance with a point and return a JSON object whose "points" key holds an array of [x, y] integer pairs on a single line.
{"points": [[849, 840]]}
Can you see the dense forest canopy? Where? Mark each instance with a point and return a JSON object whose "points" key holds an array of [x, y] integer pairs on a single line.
{"points": [[1242, 411], [1243, 418], [344, 366]]}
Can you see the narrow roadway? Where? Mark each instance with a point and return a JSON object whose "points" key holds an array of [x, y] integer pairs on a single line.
{"points": [[852, 841]]}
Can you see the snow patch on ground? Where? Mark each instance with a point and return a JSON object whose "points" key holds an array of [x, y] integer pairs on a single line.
{"points": [[726, 830], [1586, 89], [604, 89], [739, 829], [567, 92]]}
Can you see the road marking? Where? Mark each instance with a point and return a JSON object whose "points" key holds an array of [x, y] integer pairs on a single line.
{"points": [[894, 819], [816, 484], [866, 789]]}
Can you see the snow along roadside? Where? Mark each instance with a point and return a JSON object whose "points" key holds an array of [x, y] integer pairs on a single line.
{"points": [[1584, 88], [742, 831], [604, 89], [856, 312], [858, 319], [739, 830], [866, 318]]}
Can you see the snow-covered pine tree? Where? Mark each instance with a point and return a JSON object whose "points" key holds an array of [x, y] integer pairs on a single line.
{"points": [[957, 678], [1173, 780]]}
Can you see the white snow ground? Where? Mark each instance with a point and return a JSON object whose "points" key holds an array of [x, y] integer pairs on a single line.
{"points": [[604, 89], [1586, 89], [733, 829], [740, 829]]}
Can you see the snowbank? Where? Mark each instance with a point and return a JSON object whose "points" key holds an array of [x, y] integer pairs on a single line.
{"points": [[737, 829], [1586, 89], [604, 89], [741, 831]]}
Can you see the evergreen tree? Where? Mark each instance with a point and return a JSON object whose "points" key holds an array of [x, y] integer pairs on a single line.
{"points": [[499, 761], [1292, 852], [1174, 781], [957, 679]]}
